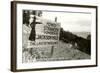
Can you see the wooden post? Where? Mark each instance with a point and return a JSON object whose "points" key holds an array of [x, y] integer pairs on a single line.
{"points": [[52, 50]]}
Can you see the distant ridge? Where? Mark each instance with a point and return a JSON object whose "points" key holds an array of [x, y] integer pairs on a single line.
{"points": [[83, 44]]}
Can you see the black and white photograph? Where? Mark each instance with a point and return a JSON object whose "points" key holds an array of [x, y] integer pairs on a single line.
{"points": [[53, 36]]}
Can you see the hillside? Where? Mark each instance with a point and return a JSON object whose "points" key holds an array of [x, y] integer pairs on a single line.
{"points": [[70, 47]]}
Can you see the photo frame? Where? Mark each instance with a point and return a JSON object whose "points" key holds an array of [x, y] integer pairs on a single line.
{"points": [[47, 36]]}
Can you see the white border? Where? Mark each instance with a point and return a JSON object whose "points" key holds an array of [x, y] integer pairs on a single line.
{"points": [[34, 65]]}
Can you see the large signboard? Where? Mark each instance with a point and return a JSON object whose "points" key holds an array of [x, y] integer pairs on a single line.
{"points": [[47, 33]]}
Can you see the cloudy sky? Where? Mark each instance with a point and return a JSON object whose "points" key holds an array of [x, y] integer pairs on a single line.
{"points": [[74, 22]]}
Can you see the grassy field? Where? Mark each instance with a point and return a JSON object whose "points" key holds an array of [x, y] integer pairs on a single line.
{"points": [[62, 51]]}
